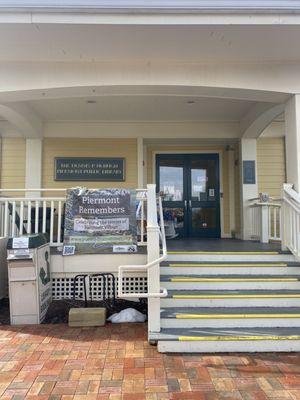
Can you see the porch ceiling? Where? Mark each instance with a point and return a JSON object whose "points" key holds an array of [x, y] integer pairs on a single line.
{"points": [[141, 108]]}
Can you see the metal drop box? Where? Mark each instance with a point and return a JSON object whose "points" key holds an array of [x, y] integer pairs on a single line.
{"points": [[29, 279], [3, 268]]}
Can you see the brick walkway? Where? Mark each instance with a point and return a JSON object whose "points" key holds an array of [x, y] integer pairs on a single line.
{"points": [[116, 362]]}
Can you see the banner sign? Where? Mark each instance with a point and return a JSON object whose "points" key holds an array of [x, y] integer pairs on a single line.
{"points": [[100, 221], [89, 169]]}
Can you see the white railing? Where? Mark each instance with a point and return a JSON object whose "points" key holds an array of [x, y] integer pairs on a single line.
{"points": [[266, 220], [291, 220], [275, 221], [141, 196], [27, 214], [155, 233], [32, 214], [147, 267]]}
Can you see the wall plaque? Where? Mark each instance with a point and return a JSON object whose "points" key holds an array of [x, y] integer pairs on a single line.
{"points": [[89, 169], [249, 172]]}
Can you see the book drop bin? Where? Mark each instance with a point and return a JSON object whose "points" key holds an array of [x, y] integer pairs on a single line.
{"points": [[29, 279]]}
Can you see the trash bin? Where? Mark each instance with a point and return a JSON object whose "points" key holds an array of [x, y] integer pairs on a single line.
{"points": [[29, 280]]}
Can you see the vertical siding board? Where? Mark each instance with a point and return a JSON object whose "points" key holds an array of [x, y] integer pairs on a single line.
{"points": [[271, 165], [13, 164]]}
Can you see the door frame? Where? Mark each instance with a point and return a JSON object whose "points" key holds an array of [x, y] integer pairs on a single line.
{"points": [[220, 153]]}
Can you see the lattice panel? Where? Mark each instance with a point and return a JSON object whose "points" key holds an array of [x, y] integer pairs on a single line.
{"points": [[62, 288]]}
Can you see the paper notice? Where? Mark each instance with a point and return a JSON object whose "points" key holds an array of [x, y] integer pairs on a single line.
{"points": [[20, 243]]}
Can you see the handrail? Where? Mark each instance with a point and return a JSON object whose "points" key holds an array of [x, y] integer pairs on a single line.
{"points": [[35, 190], [288, 188], [296, 206], [46, 190], [148, 266], [270, 198], [4, 199], [269, 203], [291, 220]]}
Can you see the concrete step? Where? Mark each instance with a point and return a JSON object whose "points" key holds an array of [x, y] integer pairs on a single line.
{"points": [[213, 340], [230, 256], [231, 282], [230, 268], [220, 317], [231, 298]]}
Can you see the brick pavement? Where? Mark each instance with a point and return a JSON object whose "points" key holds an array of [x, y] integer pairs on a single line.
{"points": [[116, 363]]}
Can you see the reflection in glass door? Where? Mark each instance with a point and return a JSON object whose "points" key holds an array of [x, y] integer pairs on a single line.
{"points": [[203, 194], [171, 170], [189, 185]]}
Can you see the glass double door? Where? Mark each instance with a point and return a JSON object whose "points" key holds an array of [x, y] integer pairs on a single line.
{"points": [[189, 186]]}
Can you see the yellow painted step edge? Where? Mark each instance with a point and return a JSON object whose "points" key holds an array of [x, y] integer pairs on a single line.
{"points": [[232, 316], [230, 265], [234, 280], [234, 338], [237, 296], [226, 252]]}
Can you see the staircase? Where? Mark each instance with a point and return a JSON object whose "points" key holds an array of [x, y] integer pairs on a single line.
{"points": [[230, 302]]}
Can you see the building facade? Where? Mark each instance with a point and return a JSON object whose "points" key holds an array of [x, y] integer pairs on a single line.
{"points": [[167, 79], [199, 98]]}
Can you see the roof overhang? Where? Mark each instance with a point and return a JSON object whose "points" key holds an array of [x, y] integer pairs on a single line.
{"points": [[169, 6]]}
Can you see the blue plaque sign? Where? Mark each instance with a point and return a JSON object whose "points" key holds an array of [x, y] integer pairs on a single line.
{"points": [[249, 172], [89, 169]]}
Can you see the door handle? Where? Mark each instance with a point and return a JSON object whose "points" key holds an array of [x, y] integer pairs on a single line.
{"points": [[185, 204], [190, 203]]}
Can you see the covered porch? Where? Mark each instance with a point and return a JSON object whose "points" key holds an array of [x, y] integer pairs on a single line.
{"points": [[214, 180], [88, 99], [209, 136]]}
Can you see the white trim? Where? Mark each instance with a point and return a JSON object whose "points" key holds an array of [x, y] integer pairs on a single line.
{"points": [[149, 17], [149, 130], [231, 187], [292, 141], [145, 164], [220, 153], [248, 151], [140, 161], [270, 6]]}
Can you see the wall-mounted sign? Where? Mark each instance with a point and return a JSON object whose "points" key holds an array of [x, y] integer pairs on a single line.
{"points": [[89, 169], [249, 172], [100, 220]]}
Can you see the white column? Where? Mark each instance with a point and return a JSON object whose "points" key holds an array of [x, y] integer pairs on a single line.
{"points": [[145, 165], [249, 191], [33, 172], [153, 254], [292, 140], [231, 184], [140, 162]]}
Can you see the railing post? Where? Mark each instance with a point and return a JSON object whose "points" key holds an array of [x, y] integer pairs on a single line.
{"points": [[283, 223], [264, 234], [153, 254]]}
